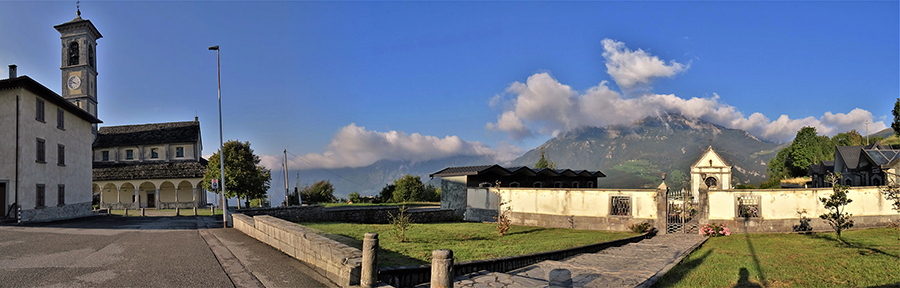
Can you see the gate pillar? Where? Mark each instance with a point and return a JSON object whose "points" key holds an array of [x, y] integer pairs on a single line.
{"points": [[661, 203], [703, 215]]}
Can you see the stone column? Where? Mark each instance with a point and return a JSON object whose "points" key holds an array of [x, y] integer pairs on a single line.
{"points": [[157, 199], [703, 212], [661, 207], [369, 261], [194, 198], [176, 194], [442, 268], [137, 198], [118, 195]]}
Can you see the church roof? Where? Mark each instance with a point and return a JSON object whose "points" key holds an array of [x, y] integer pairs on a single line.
{"points": [[145, 170], [850, 154], [48, 95], [882, 157], [713, 151], [148, 134]]}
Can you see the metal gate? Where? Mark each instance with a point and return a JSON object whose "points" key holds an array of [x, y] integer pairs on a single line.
{"points": [[681, 209]]}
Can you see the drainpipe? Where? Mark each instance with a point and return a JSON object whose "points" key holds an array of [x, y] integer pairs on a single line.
{"points": [[18, 215]]}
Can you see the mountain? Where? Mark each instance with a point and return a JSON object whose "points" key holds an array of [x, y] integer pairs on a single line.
{"points": [[635, 155], [888, 132], [370, 179]]}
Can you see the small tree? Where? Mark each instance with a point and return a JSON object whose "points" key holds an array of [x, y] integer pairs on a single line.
{"points": [[354, 197], [401, 222], [387, 193], [408, 188], [244, 177], [503, 220], [543, 162], [836, 205]]}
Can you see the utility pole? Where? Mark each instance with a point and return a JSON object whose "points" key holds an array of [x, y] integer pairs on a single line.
{"points": [[287, 201], [867, 132]]}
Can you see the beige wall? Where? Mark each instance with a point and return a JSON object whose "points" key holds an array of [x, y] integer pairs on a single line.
{"points": [[785, 203], [573, 202], [143, 152], [76, 137]]}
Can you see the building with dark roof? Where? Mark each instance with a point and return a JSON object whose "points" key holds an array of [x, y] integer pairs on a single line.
{"points": [[156, 165], [871, 165], [455, 181]]}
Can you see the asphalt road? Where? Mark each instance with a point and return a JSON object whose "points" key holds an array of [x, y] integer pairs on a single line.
{"points": [[116, 251]]}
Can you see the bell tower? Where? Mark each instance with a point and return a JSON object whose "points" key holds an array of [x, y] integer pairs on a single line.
{"points": [[79, 63]]}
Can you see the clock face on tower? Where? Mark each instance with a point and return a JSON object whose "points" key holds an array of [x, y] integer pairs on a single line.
{"points": [[74, 82]]}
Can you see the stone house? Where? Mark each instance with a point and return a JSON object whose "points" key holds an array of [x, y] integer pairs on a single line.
{"points": [[155, 165], [45, 167], [872, 165]]}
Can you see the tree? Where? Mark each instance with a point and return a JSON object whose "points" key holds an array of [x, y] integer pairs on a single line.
{"points": [[836, 205], [431, 194], [387, 193], [543, 162], [805, 151], [408, 188], [851, 138], [294, 197], [319, 192], [244, 177], [354, 197], [896, 112]]}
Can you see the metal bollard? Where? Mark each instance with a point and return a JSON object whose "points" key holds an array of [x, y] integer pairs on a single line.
{"points": [[442, 268], [369, 273]]}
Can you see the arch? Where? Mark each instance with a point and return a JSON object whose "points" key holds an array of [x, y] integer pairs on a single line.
{"points": [[127, 190], [484, 185], [574, 184], [148, 194], [876, 181], [538, 185], [110, 193], [166, 192], [711, 182], [185, 191], [558, 184], [848, 182], [73, 53], [514, 184], [590, 184]]}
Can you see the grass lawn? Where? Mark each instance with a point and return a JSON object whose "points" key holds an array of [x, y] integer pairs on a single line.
{"points": [[170, 212], [469, 241], [870, 257]]}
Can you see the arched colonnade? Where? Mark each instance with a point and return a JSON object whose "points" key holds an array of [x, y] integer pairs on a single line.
{"points": [[151, 193]]}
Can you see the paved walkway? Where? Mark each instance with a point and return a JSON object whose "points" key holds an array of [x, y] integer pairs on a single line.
{"points": [[633, 265]]}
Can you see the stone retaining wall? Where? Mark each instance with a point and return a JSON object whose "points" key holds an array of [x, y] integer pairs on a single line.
{"points": [[342, 264], [55, 213], [351, 214]]}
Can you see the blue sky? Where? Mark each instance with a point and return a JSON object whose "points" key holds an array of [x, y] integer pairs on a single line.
{"points": [[348, 83]]}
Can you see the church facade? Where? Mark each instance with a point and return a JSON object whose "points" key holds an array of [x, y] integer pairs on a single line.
{"points": [[48, 174]]}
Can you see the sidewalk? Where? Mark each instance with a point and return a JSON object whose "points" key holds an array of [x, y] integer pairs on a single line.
{"points": [[633, 265]]}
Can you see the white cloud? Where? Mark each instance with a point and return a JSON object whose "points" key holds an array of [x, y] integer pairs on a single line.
{"points": [[631, 68], [543, 106], [354, 146]]}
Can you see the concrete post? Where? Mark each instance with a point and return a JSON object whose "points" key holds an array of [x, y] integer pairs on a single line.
{"points": [[195, 211], [560, 278], [369, 261], [661, 209], [126, 212], [143, 213], [177, 211], [212, 210], [442, 268]]}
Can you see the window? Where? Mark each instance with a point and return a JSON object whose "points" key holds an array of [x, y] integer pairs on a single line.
{"points": [[848, 182], [153, 153], [39, 196], [104, 155], [179, 151], [60, 120], [748, 206], [61, 155], [620, 206], [61, 195], [40, 151], [575, 184], [590, 184], [514, 184], [484, 185], [91, 60], [710, 182], [129, 154], [557, 184], [73, 53], [538, 185], [39, 110]]}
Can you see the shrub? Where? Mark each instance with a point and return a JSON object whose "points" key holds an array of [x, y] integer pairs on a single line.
{"points": [[502, 217], [401, 222], [715, 230], [640, 228], [836, 205]]}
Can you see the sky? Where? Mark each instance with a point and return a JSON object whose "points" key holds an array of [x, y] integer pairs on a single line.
{"points": [[345, 84]]}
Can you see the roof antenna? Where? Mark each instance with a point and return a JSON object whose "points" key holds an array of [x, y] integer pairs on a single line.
{"points": [[78, 8]]}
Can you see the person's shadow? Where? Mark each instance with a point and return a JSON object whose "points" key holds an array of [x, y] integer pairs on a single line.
{"points": [[744, 280]]}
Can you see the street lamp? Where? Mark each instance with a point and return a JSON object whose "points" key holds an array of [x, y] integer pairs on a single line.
{"points": [[221, 143]]}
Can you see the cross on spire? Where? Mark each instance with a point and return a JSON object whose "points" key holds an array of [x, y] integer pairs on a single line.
{"points": [[78, 8]]}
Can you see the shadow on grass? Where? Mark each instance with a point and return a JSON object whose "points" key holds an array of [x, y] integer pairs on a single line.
{"points": [[528, 230], [681, 270], [744, 280], [851, 244]]}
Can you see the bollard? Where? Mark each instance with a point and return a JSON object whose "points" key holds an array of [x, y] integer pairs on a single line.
{"points": [[126, 213], [212, 210], [195, 211], [442, 268], [177, 211], [369, 275], [143, 213]]}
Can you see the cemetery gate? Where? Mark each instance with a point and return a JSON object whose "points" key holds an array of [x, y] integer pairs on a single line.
{"points": [[681, 212]]}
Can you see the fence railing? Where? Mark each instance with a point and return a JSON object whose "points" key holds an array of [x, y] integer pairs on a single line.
{"points": [[415, 275]]}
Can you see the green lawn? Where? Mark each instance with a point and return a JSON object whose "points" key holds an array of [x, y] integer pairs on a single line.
{"points": [[870, 257], [469, 241], [408, 204]]}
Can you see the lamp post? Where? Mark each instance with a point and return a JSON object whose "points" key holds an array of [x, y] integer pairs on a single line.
{"points": [[221, 143]]}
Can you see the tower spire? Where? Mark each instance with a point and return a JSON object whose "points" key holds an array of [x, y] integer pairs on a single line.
{"points": [[78, 8]]}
